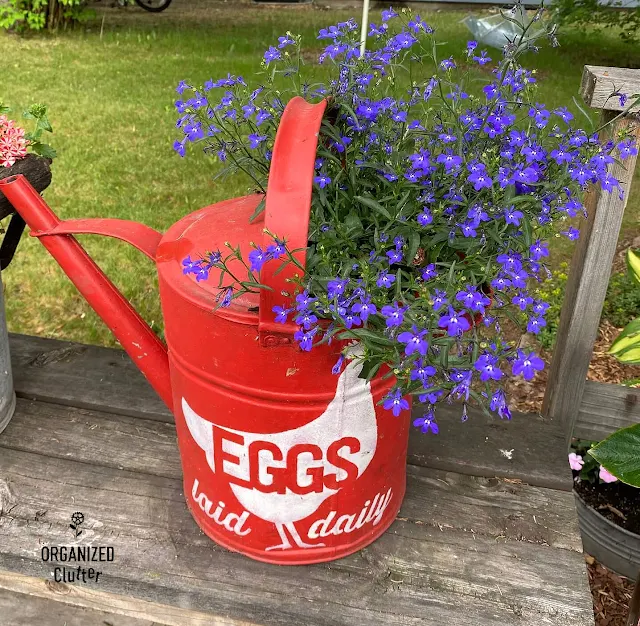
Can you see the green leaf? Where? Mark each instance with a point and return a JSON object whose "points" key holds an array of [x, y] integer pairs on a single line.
{"points": [[43, 150], [414, 244], [363, 333], [259, 209], [353, 224], [369, 369], [526, 230], [633, 263], [630, 356], [583, 111], [629, 337], [373, 204], [44, 124], [620, 454]]}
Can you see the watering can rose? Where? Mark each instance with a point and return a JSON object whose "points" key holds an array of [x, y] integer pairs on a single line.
{"points": [[435, 191]]}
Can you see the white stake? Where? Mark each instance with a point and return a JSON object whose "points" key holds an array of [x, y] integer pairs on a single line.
{"points": [[365, 25]]}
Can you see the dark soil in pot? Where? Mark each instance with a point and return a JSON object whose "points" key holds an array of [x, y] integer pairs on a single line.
{"points": [[618, 502]]}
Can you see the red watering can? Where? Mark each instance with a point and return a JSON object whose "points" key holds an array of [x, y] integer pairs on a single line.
{"points": [[283, 460]]}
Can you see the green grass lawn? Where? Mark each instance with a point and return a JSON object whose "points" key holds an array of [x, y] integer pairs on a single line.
{"points": [[111, 103]]}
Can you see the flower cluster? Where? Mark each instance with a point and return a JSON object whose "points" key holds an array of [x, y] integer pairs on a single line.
{"points": [[435, 192], [13, 145], [15, 142], [587, 468]]}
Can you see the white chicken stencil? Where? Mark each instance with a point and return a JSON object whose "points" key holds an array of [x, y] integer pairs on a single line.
{"points": [[350, 414]]}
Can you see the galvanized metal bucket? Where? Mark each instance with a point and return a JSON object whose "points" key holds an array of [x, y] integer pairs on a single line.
{"points": [[613, 546]]}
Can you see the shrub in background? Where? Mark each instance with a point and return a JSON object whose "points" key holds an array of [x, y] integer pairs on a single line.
{"points": [[24, 15], [595, 15]]}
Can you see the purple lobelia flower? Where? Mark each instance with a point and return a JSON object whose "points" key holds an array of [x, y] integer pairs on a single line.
{"points": [[527, 365], [393, 314], [487, 365], [415, 341], [627, 149], [257, 258], [422, 372], [455, 323], [305, 338], [394, 401], [336, 287], [450, 161], [281, 314], [385, 279], [499, 404], [364, 308], [272, 54], [427, 423], [535, 324], [539, 249], [429, 272], [322, 180]]}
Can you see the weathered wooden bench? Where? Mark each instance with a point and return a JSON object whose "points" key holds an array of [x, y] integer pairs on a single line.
{"points": [[487, 534]]}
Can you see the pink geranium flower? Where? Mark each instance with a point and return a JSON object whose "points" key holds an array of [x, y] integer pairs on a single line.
{"points": [[576, 461], [13, 145], [606, 476]]}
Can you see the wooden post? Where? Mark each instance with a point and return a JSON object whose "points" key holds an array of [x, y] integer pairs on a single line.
{"points": [[591, 264]]}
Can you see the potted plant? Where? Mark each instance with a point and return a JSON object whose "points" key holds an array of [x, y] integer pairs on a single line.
{"points": [[24, 152], [436, 189], [607, 474], [20, 153]]}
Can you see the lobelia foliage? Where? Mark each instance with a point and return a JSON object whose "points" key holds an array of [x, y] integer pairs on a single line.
{"points": [[437, 183]]}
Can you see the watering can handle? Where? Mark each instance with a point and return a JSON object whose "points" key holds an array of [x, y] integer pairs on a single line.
{"points": [[140, 342], [287, 209]]}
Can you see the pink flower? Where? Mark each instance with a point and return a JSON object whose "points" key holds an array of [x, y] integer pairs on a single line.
{"points": [[13, 145], [576, 461], [607, 476]]}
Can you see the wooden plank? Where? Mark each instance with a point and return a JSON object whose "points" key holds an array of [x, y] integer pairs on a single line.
{"points": [[25, 609], [84, 376], [604, 409], [105, 379], [134, 444], [598, 83], [143, 446], [486, 566], [586, 290], [77, 606], [489, 446]]}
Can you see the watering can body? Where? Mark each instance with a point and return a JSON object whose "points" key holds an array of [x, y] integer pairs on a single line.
{"points": [[283, 460]]}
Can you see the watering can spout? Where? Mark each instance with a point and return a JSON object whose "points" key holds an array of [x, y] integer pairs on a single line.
{"points": [[140, 342]]}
